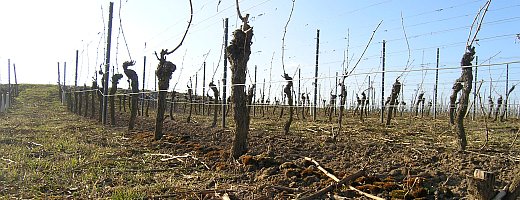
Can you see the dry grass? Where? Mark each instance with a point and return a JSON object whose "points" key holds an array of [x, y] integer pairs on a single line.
{"points": [[50, 153]]}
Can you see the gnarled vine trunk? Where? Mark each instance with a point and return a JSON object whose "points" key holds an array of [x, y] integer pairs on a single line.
{"points": [[250, 94], [100, 96], [358, 101], [85, 93], [238, 54], [303, 106], [453, 98], [392, 104], [113, 90], [342, 101], [94, 92], [420, 99], [120, 103], [491, 104], [464, 83], [190, 101], [80, 101], [499, 107], [362, 112], [75, 102], [215, 94], [332, 105], [134, 83], [147, 99], [173, 94], [164, 73], [287, 91], [504, 113], [100, 107]]}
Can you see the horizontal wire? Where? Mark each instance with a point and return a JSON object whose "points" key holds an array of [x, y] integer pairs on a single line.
{"points": [[389, 53], [353, 74], [349, 104], [394, 53]]}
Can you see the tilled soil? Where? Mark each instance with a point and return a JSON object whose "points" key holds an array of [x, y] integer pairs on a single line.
{"points": [[413, 159], [50, 153]]}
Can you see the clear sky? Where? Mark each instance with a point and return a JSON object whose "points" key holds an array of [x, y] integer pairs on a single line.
{"points": [[36, 35]]}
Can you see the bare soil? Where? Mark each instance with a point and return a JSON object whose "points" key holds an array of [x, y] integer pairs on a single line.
{"points": [[414, 158]]}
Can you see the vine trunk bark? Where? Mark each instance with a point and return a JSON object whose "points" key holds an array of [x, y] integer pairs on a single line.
{"points": [[190, 101], [287, 91], [164, 74], [342, 101], [113, 90], [464, 83], [238, 53], [215, 94], [134, 84], [392, 102], [172, 104]]}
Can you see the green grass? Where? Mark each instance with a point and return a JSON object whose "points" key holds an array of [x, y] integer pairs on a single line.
{"points": [[48, 152], [123, 194], [47, 149]]}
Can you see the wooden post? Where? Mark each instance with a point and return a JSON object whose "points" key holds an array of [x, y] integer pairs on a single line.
{"points": [[59, 83], [94, 92], [79, 101], [75, 107], [436, 89], [107, 64], [263, 99], [15, 81], [517, 109], [254, 94], [319, 98], [299, 91], [475, 89], [85, 93], [480, 186], [316, 76], [76, 74], [190, 100], [9, 81], [204, 89], [64, 74], [367, 107], [335, 94], [2, 103], [144, 81], [197, 109], [402, 100], [506, 92], [64, 86], [224, 83], [383, 84], [373, 100]]}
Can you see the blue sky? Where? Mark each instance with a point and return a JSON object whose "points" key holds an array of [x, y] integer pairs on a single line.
{"points": [[38, 34]]}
